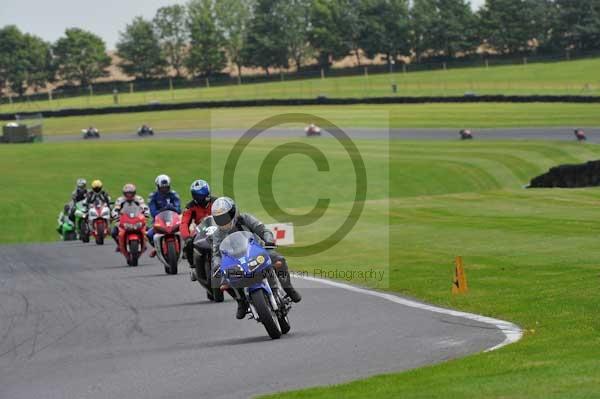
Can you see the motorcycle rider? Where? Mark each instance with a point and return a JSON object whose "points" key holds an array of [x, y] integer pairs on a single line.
{"points": [[63, 217], [79, 194], [196, 210], [229, 220], [97, 194], [162, 199], [129, 197]]}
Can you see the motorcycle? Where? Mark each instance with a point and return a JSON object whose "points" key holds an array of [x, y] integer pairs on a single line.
{"points": [[81, 222], [91, 133], [580, 135], [246, 264], [145, 131], [466, 134], [99, 220], [202, 260], [132, 233], [66, 227], [167, 239], [312, 130]]}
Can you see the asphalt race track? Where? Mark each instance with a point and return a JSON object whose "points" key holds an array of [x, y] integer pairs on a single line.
{"points": [[554, 133], [76, 323]]}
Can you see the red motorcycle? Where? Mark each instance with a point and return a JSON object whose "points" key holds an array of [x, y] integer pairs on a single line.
{"points": [[167, 239], [99, 219], [580, 135], [132, 233]]}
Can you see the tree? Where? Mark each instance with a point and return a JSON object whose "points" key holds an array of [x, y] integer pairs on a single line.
{"points": [[335, 29], [172, 30], [455, 29], [423, 19], [206, 55], [140, 50], [266, 43], [511, 26], [25, 60], [295, 15], [578, 25], [385, 28], [81, 56], [233, 18]]}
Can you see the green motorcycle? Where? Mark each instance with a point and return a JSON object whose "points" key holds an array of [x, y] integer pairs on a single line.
{"points": [[66, 227], [81, 223]]}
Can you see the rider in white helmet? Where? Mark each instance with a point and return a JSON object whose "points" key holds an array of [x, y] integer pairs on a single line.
{"points": [[162, 199]]}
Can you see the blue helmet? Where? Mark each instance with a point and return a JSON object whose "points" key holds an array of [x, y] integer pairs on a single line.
{"points": [[200, 191]]}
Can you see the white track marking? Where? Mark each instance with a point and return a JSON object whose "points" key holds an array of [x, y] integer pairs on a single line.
{"points": [[511, 331]]}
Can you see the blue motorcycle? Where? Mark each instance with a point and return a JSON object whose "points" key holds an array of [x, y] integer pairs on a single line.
{"points": [[246, 264]]}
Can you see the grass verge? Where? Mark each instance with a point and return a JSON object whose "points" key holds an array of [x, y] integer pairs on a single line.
{"points": [[531, 255]]}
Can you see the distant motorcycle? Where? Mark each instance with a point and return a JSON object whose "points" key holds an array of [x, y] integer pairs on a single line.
{"points": [[312, 130], [132, 233], [246, 264], [99, 220], [579, 135], [90, 133], [167, 239], [203, 258], [81, 221], [466, 134], [145, 130]]}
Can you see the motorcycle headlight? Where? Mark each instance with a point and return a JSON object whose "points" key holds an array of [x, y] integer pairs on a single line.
{"points": [[93, 213], [105, 213]]}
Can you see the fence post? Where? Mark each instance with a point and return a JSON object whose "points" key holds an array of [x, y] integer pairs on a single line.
{"points": [[487, 63], [171, 88], [239, 78], [366, 72], [281, 74], [50, 95], [130, 88], [91, 89], [568, 57], [403, 68], [207, 83], [524, 60], [322, 73], [444, 65], [10, 99]]}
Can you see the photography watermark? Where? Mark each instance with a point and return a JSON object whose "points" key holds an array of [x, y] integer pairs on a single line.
{"points": [[319, 185]]}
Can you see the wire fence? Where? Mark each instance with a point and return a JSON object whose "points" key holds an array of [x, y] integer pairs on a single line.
{"points": [[363, 81]]}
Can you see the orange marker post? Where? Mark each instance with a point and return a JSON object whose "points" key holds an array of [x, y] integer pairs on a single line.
{"points": [[459, 285]]}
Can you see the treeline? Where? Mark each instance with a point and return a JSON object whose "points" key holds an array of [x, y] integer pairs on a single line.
{"points": [[204, 36]]}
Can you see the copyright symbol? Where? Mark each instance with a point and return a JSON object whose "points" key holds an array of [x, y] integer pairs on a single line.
{"points": [[267, 169]]}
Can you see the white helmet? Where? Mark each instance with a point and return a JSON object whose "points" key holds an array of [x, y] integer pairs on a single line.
{"points": [[163, 182], [224, 212]]}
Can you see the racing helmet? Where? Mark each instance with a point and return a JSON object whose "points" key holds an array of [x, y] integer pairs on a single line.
{"points": [[97, 185], [200, 191], [163, 183], [224, 213], [129, 191], [81, 184]]}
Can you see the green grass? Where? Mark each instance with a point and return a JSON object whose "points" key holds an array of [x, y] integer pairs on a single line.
{"points": [[483, 115], [572, 77], [531, 256]]}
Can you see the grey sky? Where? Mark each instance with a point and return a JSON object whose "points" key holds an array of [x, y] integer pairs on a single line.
{"points": [[49, 18]]}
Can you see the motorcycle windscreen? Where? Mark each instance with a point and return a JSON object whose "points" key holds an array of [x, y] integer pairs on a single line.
{"points": [[167, 216], [236, 244], [130, 209]]}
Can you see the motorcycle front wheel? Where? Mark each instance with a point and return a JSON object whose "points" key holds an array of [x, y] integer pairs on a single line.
{"points": [[265, 314]]}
